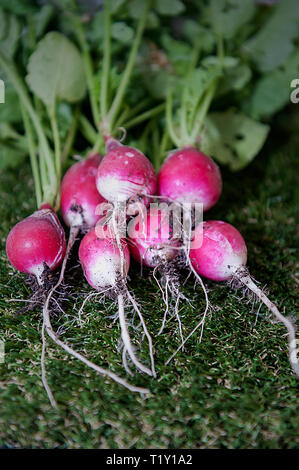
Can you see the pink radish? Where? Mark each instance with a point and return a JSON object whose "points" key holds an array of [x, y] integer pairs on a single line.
{"points": [[222, 252], [153, 243], [101, 260], [222, 257], [36, 243], [79, 195], [151, 238], [109, 265], [80, 201], [105, 263], [188, 175], [125, 173]]}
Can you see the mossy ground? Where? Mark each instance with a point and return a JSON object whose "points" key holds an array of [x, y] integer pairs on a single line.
{"points": [[234, 390]]}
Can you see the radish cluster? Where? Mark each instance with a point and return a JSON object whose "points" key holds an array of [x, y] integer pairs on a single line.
{"points": [[125, 179]]}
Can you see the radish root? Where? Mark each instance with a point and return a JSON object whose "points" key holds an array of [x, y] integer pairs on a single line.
{"points": [[103, 372], [246, 279], [126, 337]]}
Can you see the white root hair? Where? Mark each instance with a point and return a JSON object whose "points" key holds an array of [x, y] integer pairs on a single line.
{"points": [[244, 277]]}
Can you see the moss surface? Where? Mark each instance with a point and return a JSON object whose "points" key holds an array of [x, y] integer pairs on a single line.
{"points": [[234, 390]]}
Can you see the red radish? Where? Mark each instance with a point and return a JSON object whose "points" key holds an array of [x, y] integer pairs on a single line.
{"points": [[101, 260], [105, 262], [88, 255], [35, 243], [125, 173], [222, 252], [151, 238], [80, 201], [222, 257], [188, 175], [79, 195], [152, 242]]}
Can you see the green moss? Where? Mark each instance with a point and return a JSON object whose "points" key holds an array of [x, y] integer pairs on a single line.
{"points": [[234, 390]]}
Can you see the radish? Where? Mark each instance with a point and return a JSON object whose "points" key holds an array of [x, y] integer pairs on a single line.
{"points": [[222, 257], [151, 237], [153, 242], [80, 201], [109, 264], [79, 195], [188, 175], [101, 260], [36, 244], [125, 173], [105, 263], [193, 180]]}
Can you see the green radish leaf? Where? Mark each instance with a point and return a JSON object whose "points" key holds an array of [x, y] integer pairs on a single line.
{"points": [[115, 5], [10, 111], [42, 18], [194, 31], [157, 83], [10, 157], [178, 53], [122, 32], [95, 32], [10, 32], [135, 8], [64, 119], [233, 139], [274, 42], [226, 17], [3, 24], [234, 79], [19, 7], [55, 70], [169, 7], [272, 92]]}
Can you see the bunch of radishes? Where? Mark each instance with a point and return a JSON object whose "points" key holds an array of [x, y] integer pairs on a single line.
{"points": [[124, 209], [125, 176]]}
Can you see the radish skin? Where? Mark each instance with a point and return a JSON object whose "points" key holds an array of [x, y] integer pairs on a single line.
{"points": [[79, 195], [124, 173], [36, 241], [105, 262], [100, 259], [151, 238], [222, 257], [188, 175]]}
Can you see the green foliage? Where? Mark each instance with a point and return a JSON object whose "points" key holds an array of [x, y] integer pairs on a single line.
{"points": [[10, 110], [19, 7], [274, 42], [122, 32], [55, 70], [11, 157], [226, 17], [169, 7], [9, 34], [233, 139], [272, 92]]}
